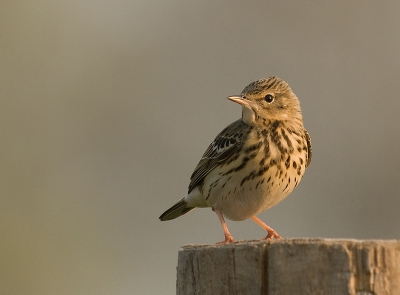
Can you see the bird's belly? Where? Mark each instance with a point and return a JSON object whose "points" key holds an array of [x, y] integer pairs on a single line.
{"points": [[244, 193]]}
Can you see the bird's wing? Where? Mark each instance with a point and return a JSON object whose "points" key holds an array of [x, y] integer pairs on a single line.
{"points": [[227, 142], [309, 148]]}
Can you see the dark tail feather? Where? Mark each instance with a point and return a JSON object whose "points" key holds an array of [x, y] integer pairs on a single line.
{"points": [[175, 211]]}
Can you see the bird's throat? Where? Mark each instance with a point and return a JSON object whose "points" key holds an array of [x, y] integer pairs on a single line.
{"points": [[248, 115]]}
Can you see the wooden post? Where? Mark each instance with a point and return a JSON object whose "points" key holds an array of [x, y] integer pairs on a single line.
{"points": [[291, 266]]}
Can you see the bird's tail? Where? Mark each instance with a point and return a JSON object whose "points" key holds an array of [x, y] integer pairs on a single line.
{"points": [[175, 211]]}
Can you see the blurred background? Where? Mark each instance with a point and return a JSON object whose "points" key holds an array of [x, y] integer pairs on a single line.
{"points": [[107, 106]]}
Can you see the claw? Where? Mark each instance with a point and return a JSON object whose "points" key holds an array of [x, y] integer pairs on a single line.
{"points": [[272, 235], [227, 240]]}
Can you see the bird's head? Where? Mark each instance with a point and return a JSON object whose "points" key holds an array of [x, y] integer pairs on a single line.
{"points": [[269, 99]]}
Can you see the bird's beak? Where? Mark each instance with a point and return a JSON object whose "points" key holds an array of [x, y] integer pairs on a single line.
{"points": [[240, 100]]}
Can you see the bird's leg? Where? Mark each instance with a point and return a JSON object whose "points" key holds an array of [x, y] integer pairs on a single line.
{"points": [[271, 232], [228, 236]]}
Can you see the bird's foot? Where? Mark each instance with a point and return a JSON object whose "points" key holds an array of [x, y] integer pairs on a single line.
{"points": [[228, 239], [272, 234]]}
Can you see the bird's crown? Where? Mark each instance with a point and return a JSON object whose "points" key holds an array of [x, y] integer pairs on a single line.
{"points": [[272, 83]]}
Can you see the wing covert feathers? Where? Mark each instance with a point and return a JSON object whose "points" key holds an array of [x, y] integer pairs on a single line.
{"points": [[226, 143], [309, 148]]}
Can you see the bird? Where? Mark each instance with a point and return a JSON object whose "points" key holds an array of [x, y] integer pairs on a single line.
{"points": [[255, 162]]}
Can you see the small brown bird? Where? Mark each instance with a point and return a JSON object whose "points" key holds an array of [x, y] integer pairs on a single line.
{"points": [[255, 162]]}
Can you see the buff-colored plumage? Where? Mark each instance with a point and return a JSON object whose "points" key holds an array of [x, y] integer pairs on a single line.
{"points": [[255, 162]]}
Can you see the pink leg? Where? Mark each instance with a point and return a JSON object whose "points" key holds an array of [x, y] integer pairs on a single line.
{"points": [[271, 233], [228, 236]]}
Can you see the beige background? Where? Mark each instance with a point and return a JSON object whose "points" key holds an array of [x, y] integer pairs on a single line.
{"points": [[106, 107]]}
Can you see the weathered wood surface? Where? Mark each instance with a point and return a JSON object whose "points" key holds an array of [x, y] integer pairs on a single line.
{"points": [[291, 266]]}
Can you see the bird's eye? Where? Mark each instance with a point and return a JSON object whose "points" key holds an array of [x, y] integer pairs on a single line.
{"points": [[269, 98]]}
